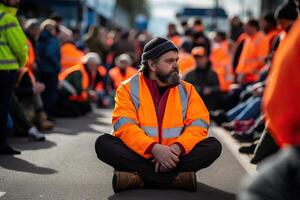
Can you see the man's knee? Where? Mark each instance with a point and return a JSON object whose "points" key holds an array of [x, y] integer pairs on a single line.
{"points": [[103, 145], [215, 147]]}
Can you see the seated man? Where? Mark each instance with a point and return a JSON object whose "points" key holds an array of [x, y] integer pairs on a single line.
{"points": [[121, 72], [79, 85], [160, 127]]}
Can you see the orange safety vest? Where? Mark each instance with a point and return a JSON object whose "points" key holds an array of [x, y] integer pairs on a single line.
{"points": [[22, 71], [31, 54], [177, 40], [221, 62], [85, 82], [255, 50], [281, 99], [186, 62], [271, 36], [186, 119], [117, 77], [70, 55]]}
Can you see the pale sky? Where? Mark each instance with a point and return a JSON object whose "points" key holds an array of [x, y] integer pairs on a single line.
{"points": [[164, 11]]}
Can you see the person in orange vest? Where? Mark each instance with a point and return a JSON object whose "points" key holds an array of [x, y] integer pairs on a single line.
{"points": [[160, 126], [254, 52], [221, 61], [186, 60], [282, 110], [269, 26], [173, 35], [121, 72], [70, 55], [80, 85]]}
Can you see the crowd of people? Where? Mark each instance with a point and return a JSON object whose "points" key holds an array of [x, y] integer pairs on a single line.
{"points": [[49, 70], [66, 71]]}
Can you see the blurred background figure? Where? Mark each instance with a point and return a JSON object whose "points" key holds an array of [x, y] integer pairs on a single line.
{"points": [[121, 72], [80, 85], [204, 79], [48, 55], [13, 55]]}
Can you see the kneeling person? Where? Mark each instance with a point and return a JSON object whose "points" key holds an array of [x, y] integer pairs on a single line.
{"points": [[79, 85], [160, 127]]}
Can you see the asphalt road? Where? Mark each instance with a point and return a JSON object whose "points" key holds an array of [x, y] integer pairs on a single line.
{"points": [[66, 167]]}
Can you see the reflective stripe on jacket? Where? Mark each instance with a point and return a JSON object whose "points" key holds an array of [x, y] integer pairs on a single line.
{"points": [[13, 47]]}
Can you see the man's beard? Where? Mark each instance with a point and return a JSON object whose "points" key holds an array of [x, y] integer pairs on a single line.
{"points": [[172, 78]]}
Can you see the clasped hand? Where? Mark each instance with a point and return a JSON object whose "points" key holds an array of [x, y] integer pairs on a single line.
{"points": [[165, 157]]}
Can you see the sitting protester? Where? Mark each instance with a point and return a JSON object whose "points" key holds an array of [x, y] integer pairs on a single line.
{"points": [[80, 85], [160, 127]]}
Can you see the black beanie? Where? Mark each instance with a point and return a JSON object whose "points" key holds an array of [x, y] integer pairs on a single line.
{"points": [[157, 47], [287, 11]]}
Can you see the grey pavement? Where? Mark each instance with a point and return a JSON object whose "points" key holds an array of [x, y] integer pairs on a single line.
{"points": [[66, 167]]}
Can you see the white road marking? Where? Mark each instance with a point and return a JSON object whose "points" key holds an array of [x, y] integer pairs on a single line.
{"points": [[234, 146], [2, 193]]}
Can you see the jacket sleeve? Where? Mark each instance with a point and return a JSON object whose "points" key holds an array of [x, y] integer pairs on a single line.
{"points": [[16, 40], [196, 122], [126, 124], [52, 54]]}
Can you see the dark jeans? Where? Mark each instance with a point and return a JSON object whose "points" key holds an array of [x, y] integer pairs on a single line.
{"points": [[67, 108], [7, 83], [246, 110], [115, 153], [49, 96]]}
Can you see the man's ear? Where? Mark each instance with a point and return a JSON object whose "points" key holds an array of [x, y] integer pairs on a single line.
{"points": [[152, 65]]}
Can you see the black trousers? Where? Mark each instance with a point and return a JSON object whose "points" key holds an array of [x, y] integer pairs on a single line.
{"points": [[49, 96], [115, 153], [7, 83]]}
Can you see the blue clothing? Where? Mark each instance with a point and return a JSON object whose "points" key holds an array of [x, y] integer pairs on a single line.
{"points": [[249, 109], [48, 53]]}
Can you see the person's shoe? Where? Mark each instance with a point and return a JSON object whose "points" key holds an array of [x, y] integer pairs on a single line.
{"points": [[126, 180], [5, 149], [247, 149], [45, 124], [243, 137], [185, 181], [34, 134], [229, 126]]}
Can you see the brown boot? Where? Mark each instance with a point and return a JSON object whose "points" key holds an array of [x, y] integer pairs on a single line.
{"points": [[185, 181], [45, 124], [126, 180]]}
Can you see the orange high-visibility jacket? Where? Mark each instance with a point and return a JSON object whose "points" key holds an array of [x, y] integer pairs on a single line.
{"points": [[221, 61], [255, 50], [117, 77], [281, 99], [271, 36], [70, 55], [186, 119], [177, 40], [31, 54], [186, 62], [84, 83]]}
